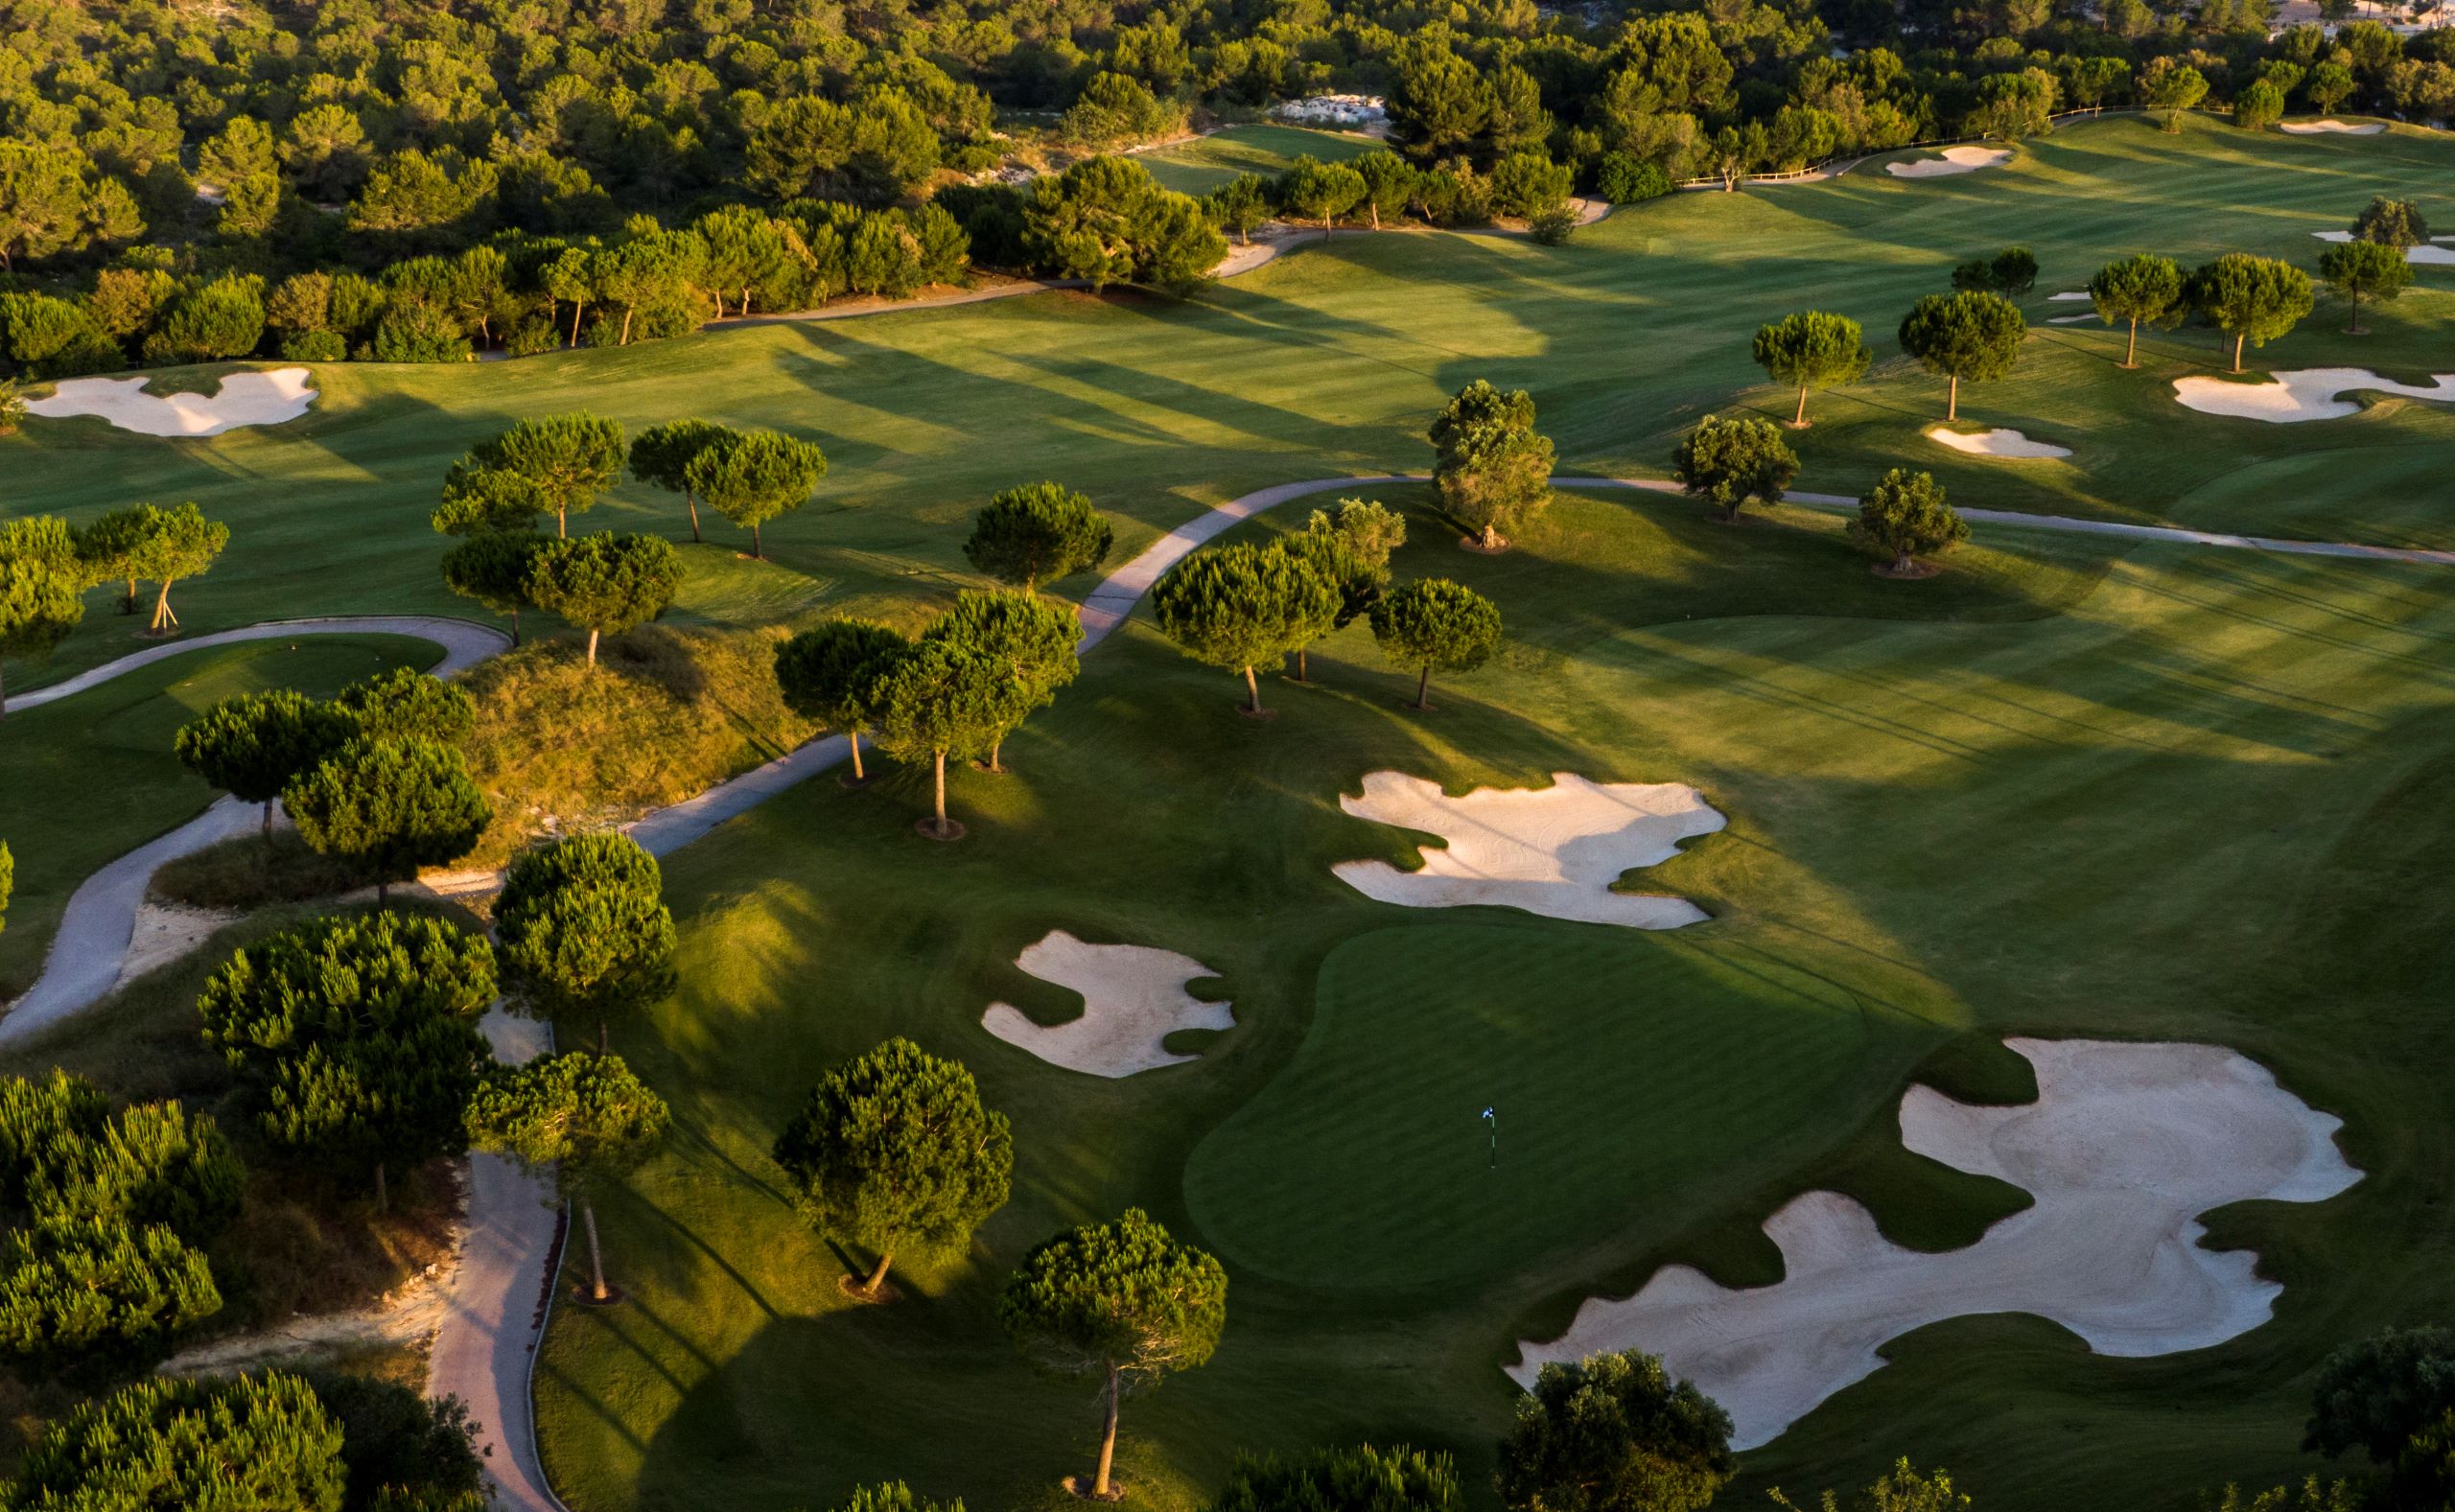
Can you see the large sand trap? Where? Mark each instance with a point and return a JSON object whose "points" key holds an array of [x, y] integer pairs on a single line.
{"points": [[1552, 850], [2424, 253], [2070, 296], [2331, 126], [1996, 443], [1955, 160], [2125, 1147], [2307, 393], [1134, 998], [244, 399]]}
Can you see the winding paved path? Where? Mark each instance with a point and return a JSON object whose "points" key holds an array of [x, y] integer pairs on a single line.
{"points": [[486, 1350]]}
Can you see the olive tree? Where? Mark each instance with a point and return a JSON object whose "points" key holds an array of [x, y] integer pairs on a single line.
{"points": [[660, 456], [389, 806], [179, 543], [2253, 299], [2391, 223], [1239, 605], [1435, 625], [253, 745], [568, 461], [1729, 461], [1614, 1433], [603, 583], [1971, 335], [1905, 517], [753, 478], [1492, 468], [586, 1117], [1035, 534], [894, 1153], [2375, 269], [581, 928], [827, 674], [941, 698], [357, 1037], [2142, 288], [42, 588], [1812, 349], [1034, 639], [1124, 1301]]}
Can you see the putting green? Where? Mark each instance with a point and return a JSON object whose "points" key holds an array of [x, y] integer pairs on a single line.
{"points": [[1635, 1080]]}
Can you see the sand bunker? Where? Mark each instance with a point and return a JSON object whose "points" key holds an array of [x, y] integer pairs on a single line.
{"points": [[2331, 126], [1554, 851], [1955, 160], [2125, 1147], [2424, 254], [1996, 443], [2308, 393], [244, 399], [2068, 320], [1134, 998], [2070, 296]]}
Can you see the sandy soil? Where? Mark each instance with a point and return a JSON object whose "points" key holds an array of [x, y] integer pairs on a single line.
{"points": [[1134, 998], [244, 399], [1552, 850], [1955, 160], [165, 932], [2068, 297], [1994, 443], [2424, 254], [2331, 126], [2125, 1146], [2308, 393]]}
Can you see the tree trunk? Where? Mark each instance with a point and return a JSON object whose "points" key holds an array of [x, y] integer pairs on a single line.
{"points": [[1108, 1440], [382, 892], [1301, 672], [2131, 350], [878, 1276], [1423, 687], [162, 614], [1951, 405], [758, 547], [591, 648], [1799, 420], [1253, 693], [942, 792], [577, 305], [994, 747], [382, 1190], [1325, 228], [855, 737], [562, 522], [691, 501], [627, 327], [1901, 560], [2237, 350], [515, 624], [127, 606], [1376, 214], [2355, 328], [745, 299], [1492, 537], [602, 1049], [268, 821], [595, 1252]]}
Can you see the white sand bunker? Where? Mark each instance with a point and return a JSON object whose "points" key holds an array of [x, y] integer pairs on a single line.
{"points": [[2331, 126], [2125, 1147], [244, 399], [1554, 851], [2307, 393], [1996, 443], [2424, 253], [1134, 998], [1955, 160], [2070, 296], [2068, 320]]}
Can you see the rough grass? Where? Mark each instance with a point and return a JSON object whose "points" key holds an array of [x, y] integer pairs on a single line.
{"points": [[250, 872], [562, 747], [1201, 165]]}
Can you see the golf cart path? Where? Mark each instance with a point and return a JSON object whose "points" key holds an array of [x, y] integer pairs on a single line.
{"points": [[486, 1351], [99, 921]]}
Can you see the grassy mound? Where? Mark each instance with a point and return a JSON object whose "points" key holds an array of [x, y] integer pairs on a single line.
{"points": [[564, 747]]}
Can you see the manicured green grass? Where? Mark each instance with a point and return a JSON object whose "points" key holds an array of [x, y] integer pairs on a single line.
{"points": [[1333, 359], [91, 776], [2164, 793], [1201, 166]]}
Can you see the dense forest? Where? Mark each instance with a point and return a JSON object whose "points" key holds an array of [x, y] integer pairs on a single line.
{"points": [[405, 180]]}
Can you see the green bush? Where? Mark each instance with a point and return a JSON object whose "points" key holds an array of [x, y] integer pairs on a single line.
{"points": [[225, 318], [531, 336], [315, 346], [92, 1296], [153, 1164], [1623, 181], [53, 339], [415, 332], [248, 1443]]}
